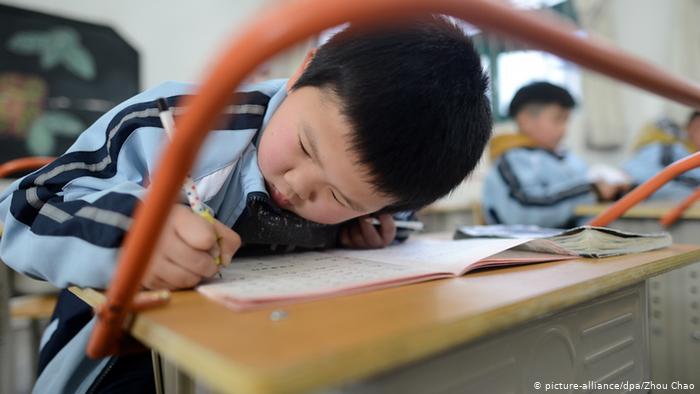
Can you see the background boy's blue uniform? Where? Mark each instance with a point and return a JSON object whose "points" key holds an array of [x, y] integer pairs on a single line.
{"points": [[651, 159], [531, 185], [661, 145]]}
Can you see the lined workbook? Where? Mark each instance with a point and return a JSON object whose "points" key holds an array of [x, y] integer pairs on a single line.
{"points": [[253, 282]]}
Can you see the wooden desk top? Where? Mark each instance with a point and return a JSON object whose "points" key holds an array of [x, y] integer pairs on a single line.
{"points": [[339, 340], [647, 210]]}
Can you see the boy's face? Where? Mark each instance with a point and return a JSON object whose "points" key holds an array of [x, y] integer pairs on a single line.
{"points": [[546, 124], [306, 159], [694, 131]]}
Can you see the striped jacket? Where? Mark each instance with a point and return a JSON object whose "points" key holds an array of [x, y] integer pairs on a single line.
{"points": [[65, 222], [532, 185]]}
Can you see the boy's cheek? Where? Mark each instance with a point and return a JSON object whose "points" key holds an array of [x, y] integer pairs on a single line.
{"points": [[270, 165], [273, 152]]}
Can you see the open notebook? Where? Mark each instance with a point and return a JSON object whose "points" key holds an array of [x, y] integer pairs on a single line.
{"points": [[252, 282]]}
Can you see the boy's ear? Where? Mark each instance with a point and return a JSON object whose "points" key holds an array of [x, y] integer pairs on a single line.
{"points": [[300, 70]]}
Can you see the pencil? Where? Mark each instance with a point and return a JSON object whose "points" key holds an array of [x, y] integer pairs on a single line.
{"points": [[198, 206], [403, 224]]}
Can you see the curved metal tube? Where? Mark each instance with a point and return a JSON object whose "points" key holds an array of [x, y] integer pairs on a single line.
{"points": [[673, 215], [296, 20], [23, 164]]}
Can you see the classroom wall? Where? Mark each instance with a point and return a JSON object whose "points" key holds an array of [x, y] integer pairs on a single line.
{"points": [[176, 40]]}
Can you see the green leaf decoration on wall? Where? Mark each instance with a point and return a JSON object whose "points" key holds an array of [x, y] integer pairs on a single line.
{"points": [[42, 133], [55, 47]]}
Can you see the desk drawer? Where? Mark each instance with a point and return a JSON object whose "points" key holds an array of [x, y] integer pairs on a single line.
{"points": [[604, 340]]}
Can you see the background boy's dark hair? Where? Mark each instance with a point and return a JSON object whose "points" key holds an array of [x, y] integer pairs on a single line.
{"points": [[540, 93], [692, 117], [415, 97]]}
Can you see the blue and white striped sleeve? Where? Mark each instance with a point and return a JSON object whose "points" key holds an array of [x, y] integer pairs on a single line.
{"points": [[65, 222]]}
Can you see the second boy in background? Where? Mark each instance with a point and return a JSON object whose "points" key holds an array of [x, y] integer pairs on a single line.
{"points": [[532, 181]]}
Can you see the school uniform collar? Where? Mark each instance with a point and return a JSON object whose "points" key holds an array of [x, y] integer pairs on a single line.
{"points": [[503, 143]]}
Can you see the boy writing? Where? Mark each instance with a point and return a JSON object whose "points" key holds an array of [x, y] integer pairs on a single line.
{"points": [[532, 181], [375, 122]]}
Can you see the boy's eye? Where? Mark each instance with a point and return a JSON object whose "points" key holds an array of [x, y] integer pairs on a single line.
{"points": [[302, 148], [336, 198]]}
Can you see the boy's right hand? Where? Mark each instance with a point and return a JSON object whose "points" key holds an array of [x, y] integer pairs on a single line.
{"points": [[186, 250]]}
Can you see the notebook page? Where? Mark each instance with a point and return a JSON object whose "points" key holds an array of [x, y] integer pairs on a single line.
{"points": [[435, 255], [302, 274]]}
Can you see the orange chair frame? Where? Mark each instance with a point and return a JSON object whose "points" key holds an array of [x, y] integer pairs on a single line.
{"points": [[670, 217], [292, 21], [23, 164]]}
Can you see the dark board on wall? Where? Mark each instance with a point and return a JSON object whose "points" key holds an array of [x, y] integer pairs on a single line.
{"points": [[57, 76]]}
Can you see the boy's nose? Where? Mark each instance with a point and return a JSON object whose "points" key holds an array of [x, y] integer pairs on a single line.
{"points": [[304, 184], [306, 194]]}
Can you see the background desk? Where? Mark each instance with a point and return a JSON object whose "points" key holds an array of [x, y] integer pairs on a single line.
{"points": [[674, 297], [576, 320]]}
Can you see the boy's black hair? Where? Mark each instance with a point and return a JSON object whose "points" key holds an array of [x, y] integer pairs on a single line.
{"points": [[540, 93], [692, 117], [414, 95]]}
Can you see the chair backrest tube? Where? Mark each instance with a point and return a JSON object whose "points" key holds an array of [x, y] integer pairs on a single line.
{"points": [[32, 163], [670, 217]]}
